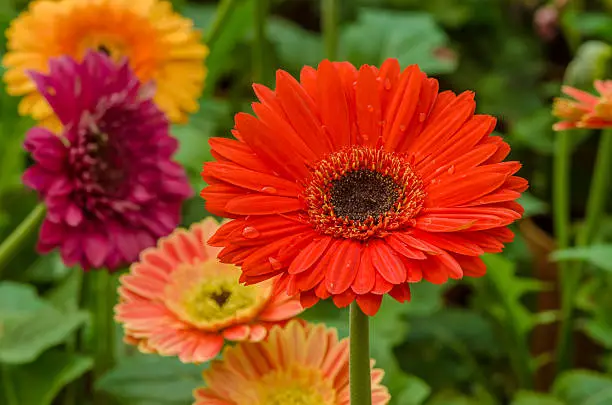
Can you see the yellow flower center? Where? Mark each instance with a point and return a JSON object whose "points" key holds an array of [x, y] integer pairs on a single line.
{"points": [[218, 299], [209, 296], [294, 396], [296, 386]]}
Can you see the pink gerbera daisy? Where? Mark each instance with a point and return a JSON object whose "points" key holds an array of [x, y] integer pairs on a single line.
{"points": [[179, 300], [108, 181]]}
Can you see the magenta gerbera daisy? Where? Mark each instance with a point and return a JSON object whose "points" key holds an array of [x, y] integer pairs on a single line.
{"points": [[108, 181]]}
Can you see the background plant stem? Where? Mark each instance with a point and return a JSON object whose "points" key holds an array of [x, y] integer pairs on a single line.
{"points": [[101, 294], [11, 245], [599, 191], [360, 381], [561, 198], [224, 12], [329, 22]]}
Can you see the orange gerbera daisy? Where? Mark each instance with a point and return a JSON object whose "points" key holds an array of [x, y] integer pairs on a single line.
{"points": [[179, 300], [161, 46], [586, 110], [354, 183], [300, 364]]}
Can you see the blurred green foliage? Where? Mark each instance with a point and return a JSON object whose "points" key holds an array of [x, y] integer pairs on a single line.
{"points": [[464, 343]]}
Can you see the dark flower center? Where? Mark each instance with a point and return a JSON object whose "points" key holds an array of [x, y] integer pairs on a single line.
{"points": [[100, 172], [221, 297], [362, 194], [104, 49], [106, 168]]}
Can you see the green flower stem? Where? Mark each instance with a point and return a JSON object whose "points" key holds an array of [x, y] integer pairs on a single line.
{"points": [[11, 245], [101, 295], [599, 192], [259, 49], [72, 391], [359, 364], [596, 204], [9, 390], [329, 22], [224, 12], [561, 211]]}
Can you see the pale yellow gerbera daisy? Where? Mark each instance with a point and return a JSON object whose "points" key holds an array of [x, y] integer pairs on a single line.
{"points": [[161, 46]]}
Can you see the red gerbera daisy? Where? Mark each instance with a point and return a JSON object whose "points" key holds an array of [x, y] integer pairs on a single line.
{"points": [[108, 182], [355, 183]]}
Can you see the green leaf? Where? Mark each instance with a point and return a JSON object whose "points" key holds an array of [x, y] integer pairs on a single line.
{"points": [[295, 46], [235, 29], [534, 398], [597, 255], [152, 379], [65, 297], [39, 382], [581, 387], [193, 137], [29, 325], [534, 131], [452, 398], [411, 37], [509, 290], [46, 269], [415, 391]]}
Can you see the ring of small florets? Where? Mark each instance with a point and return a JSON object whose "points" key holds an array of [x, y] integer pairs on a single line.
{"points": [[362, 192]]}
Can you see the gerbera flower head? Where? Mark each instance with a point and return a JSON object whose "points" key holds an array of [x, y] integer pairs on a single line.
{"points": [[354, 183], [108, 182], [179, 300], [160, 45], [584, 110], [298, 364]]}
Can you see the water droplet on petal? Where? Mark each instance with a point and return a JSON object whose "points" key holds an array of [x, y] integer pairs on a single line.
{"points": [[276, 265], [387, 84], [250, 233], [269, 190], [422, 117], [402, 127], [451, 169], [370, 108]]}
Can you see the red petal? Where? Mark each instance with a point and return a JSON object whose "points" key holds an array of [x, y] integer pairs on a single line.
{"points": [[387, 263], [401, 293], [369, 113], [258, 204], [239, 153], [402, 108], [344, 299], [308, 299], [301, 111], [366, 274], [343, 265], [403, 249], [269, 146], [309, 256], [251, 180], [454, 242], [369, 303], [333, 105], [472, 266]]}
